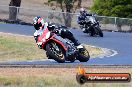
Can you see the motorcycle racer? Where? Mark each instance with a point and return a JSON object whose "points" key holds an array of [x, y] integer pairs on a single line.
{"points": [[40, 25], [82, 17]]}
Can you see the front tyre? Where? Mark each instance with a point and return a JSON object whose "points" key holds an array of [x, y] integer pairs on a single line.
{"points": [[100, 32], [55, 52], [83, 55], [91, 32]]}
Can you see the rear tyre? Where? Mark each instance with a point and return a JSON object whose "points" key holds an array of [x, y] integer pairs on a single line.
{"points": [[49, 57], [55, 52], [83, 55]]}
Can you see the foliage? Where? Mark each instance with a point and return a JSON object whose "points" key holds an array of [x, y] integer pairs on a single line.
{"points": [[118, 8]]}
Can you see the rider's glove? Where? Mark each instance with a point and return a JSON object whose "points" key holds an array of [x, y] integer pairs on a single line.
{"points": [[40, 46]]}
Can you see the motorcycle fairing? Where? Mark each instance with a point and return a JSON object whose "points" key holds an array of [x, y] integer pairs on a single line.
{"points": [[42, 38]]}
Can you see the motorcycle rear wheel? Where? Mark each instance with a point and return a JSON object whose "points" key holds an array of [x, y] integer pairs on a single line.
{"points": [[83, 55]]}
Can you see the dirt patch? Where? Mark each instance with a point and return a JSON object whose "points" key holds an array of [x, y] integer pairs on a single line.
{"points": [[41, 72]]}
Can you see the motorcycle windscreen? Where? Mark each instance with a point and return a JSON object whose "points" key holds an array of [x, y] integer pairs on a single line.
{"points": [[92, 19]]}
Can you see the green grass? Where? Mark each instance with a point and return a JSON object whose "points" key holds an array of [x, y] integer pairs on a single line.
{"points": [[34, 81], [20, 48]]}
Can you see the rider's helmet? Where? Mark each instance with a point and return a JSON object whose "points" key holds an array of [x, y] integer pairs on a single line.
{"points": [[82, 11], [38, 22]]}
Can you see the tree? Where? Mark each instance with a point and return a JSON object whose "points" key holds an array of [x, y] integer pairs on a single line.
{"points": [[68, 7], [118, 8], [13, 9]]}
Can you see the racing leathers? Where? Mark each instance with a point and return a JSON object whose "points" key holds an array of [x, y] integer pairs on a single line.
{"points": [[81, 19]]}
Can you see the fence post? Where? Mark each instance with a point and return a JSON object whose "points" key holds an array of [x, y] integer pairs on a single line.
{"points": [[17, 13], [115, 24], [47, 16]]}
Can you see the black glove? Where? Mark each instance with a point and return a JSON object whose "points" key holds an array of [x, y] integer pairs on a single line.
{"points": [[40, 46]]}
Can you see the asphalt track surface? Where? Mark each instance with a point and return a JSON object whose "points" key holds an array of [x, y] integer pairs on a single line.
{"points": [[120, 42]]}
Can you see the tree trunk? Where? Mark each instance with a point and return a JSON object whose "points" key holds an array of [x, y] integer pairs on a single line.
{"points": [[13, 10], [68, 15], [79, 3], [68, 19]]}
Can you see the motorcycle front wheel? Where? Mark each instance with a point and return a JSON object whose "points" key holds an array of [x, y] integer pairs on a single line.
{"points": [[99, 31], [91, 32], [55, 52]]}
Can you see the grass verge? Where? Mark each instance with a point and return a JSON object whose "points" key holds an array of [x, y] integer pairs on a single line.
{"points": [[20, 48]]}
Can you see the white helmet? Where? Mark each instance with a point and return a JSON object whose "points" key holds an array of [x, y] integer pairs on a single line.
{"points": [[82, 9], [38, 22]]}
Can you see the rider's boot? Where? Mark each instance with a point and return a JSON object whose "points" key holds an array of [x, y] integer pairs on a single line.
{"points": [[77, 44]]}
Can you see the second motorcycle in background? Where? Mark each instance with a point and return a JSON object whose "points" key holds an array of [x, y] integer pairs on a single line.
{"points": [[91, 26]]}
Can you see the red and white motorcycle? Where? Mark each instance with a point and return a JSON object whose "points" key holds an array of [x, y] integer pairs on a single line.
{"points": [[61, 49]]}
